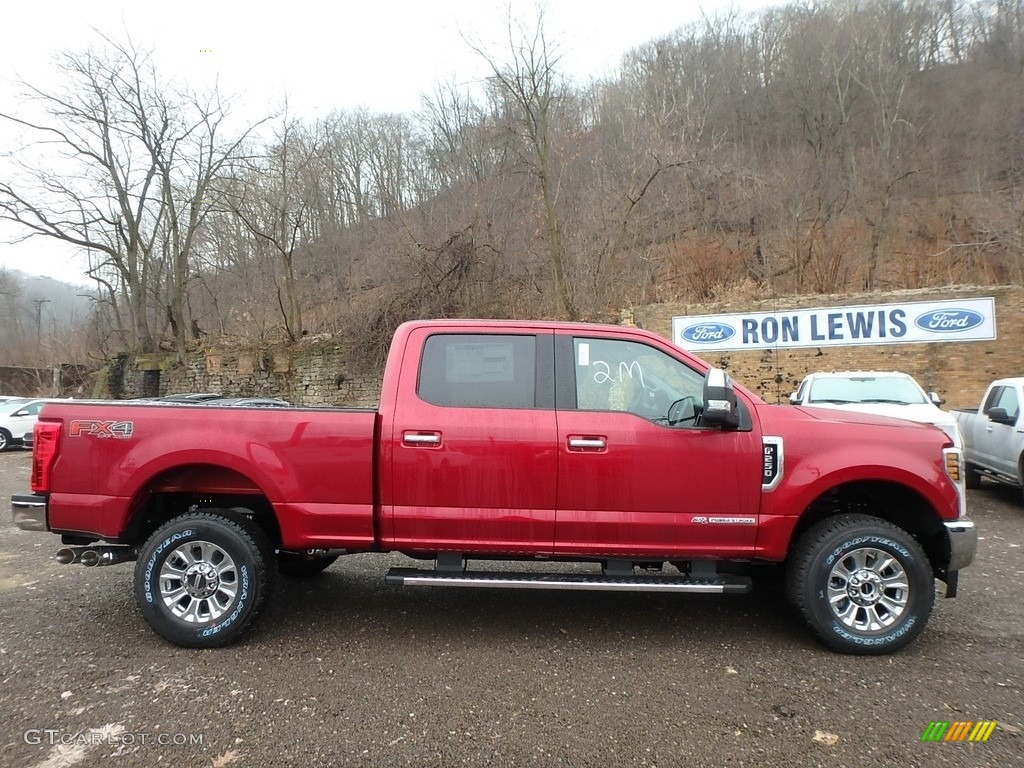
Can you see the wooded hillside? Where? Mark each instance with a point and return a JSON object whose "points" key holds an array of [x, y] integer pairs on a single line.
{"points": [[815, 148]]}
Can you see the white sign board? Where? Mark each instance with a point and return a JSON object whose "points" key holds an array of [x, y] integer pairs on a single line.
{"points": [[918, 321]]}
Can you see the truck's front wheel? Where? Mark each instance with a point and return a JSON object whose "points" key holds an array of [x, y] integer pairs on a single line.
{"points": [[863, 585], [202, 579]]}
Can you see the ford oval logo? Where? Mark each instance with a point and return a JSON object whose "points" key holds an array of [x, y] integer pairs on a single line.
{"points": [[708, 333], [949, 320]]}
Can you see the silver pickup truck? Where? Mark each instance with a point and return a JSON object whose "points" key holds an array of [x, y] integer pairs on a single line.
{"points": [[994, 435]]}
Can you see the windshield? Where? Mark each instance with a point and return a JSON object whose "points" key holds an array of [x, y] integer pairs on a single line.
{"points": [[866, 389]]}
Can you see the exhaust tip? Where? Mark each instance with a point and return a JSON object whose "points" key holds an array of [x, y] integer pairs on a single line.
{"points": [[66, 556], [90, 558]]}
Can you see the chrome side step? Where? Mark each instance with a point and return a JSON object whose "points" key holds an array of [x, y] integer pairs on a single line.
{"points": [[718, 584]]}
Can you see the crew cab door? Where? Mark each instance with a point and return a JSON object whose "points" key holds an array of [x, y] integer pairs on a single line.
{"points": [[995, 442], [472, 445], [631, 483]]}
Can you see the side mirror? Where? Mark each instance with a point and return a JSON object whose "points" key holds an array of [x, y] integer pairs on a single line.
{"points": [[720, 407], [1000, 416], [794, 399], [934, 397]]}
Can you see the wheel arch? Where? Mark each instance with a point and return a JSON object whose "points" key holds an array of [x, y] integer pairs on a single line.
{"points": [[194, 487], [895, 503]]}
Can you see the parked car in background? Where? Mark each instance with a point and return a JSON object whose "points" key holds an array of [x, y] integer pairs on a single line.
{"points": [[17, 418], [994, 435], [888, 393]]}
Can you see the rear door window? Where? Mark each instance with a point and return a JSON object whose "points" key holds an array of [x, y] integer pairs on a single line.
{"points": [[479, 370]]}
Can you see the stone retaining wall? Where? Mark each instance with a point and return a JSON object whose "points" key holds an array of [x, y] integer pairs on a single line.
{"points": [[315, 373]]}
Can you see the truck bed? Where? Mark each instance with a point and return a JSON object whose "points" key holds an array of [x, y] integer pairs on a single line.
{"points": [[314, 465]]}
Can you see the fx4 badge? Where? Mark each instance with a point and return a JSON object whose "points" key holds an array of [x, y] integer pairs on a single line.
{"points": [[120, 429]]}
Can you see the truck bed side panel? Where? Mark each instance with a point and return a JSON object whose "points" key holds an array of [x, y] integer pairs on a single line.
{"points": [[314, 466]]}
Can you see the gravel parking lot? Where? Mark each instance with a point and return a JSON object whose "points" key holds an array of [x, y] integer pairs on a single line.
{"points": [[343, 670]]}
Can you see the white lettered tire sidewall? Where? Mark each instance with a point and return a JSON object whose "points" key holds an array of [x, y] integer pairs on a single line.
{"points": [[242, 541], [819, 551]]}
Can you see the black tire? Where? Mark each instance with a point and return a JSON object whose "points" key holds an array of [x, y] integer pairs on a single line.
{"points": [[5, 440], [863, 585], [223, 560], [299, 566], [972, 478]]}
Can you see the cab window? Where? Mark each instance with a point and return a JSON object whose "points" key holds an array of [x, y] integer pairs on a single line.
{"points": [[1007, 399], [619, 375], [479, 370]]}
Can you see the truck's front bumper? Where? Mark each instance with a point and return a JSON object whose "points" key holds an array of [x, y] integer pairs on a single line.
{"points": [[963, 543], [29, 511]]}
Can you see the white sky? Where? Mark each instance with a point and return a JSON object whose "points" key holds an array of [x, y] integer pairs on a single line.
{"points": [[379, 54]]}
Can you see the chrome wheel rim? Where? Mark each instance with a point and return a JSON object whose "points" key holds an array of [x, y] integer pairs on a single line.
{"points": [[198, 582], [868, 590]]}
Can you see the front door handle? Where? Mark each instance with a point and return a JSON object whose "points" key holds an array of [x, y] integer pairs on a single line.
{"points": [[588, 443], [421, 438]]}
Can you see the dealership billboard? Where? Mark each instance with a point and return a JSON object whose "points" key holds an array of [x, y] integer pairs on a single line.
{"points": [[917, 321]]}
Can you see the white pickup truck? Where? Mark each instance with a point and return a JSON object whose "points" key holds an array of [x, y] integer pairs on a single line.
{"points": [[883, 393], [994, 435]]}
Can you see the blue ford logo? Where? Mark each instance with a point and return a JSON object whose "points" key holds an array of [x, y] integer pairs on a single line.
{"points": [[949, 320], [708, 333]]}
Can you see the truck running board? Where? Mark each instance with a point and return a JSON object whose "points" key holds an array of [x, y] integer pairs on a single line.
{"points": [[717, 584]]}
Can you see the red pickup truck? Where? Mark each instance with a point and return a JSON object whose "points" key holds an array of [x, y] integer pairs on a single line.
{"points": [[603, 447]]}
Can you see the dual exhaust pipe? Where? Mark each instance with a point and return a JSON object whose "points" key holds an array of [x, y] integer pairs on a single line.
{"points": [[91, 557]]}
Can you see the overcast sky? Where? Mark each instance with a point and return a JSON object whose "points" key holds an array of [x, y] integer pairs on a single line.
{"points": [[378, 54]]}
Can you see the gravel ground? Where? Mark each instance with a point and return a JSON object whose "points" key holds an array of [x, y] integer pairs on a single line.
{"points": [[342, 670]]}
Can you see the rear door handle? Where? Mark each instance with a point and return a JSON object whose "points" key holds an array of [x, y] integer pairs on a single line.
{"points": [[421, 438], [587, 443]]}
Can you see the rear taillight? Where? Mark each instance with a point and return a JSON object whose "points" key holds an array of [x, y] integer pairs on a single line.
{"points": [[45, 438]]}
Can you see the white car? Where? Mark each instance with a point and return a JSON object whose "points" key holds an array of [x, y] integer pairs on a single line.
{"points": [[883, 393], [18, 418]]}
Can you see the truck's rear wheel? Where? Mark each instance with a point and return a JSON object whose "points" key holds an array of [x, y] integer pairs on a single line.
{"points": [[202, 579], [863, 585]]}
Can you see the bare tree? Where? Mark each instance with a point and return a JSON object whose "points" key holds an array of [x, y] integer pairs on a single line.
{"points": [[275, 204], [121, 166], [531, 82], [887, 44], [102, 192], [190, 163]]}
